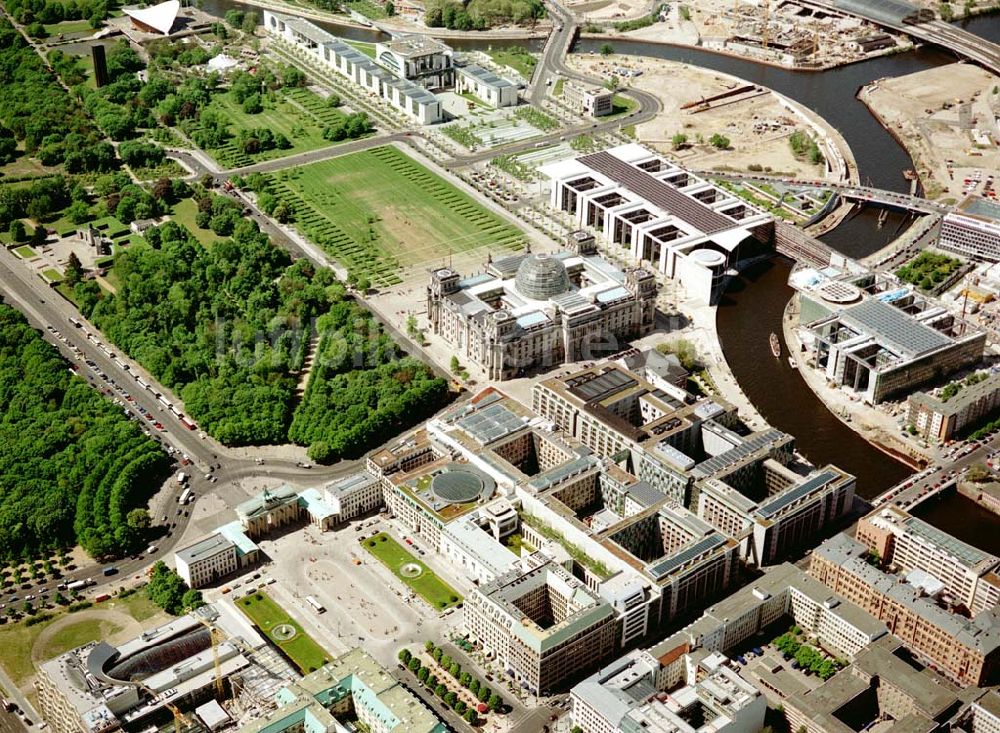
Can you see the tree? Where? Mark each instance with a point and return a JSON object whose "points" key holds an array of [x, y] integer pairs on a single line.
{"points": [[192, 599], [474, 686], [405, 656], [440, 690], [249, 24], [484, 693], [390, 9], [78, 212], [455, 365], [437, 654], [455, 670], [17, 231], [429, 646], [414, 664], [450, 698], [679, 141], [423, 673], [138, 519], [494, 702], [465, 680], [607, 49], [719, 141], [59, 599], [74, 270], [470, 717]]}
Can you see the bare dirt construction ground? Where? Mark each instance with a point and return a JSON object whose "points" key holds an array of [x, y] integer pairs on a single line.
{"points": [[756, 123], [936, 114]]}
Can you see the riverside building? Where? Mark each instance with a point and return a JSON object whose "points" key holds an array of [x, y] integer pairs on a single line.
{"points": [[876, 338], [655, 212], [326, 51]]}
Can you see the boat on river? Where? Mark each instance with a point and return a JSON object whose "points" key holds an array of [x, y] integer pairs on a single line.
{"points": [[775, 345]]}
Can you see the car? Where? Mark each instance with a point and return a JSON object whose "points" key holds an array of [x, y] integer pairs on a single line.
{"points": [[303, 464]]}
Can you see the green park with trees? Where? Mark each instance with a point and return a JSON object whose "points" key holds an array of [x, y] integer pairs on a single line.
{"points": [[72, 467]]}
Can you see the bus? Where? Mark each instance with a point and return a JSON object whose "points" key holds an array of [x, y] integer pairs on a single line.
{"points": [[185, 497], [76, 323], [163, 401], [317, 606], [187, 423]]}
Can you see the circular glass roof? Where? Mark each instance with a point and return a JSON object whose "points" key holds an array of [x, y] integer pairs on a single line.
{"points": [[541, 277], [457, 486]]}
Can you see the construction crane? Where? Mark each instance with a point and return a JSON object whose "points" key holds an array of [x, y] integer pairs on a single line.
{"points": [[180, 720], [216, 636]]}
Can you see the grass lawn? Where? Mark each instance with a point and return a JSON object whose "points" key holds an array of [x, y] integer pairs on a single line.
{"points": [[298, 114], [379, 209], [184, 213], [52, 275], [16, 642], [137, 605], [69, 26], [267, 614], [621, 106], [427, 585], [25, 252], [517, 58], [78, 634]]}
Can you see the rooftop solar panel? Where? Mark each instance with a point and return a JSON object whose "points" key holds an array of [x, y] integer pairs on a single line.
{"points": [[782, 500], [667, 565], [895, 328], [657, 192]]}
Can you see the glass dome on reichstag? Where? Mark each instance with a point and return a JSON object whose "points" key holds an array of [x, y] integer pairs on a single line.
{"points": [[541, 277]]}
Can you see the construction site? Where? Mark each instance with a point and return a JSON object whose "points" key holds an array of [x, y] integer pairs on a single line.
{"points": [[757, 123], [209, 670], [783, 33], [948, 119]]}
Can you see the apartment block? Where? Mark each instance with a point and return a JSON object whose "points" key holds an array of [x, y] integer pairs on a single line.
{"points": [[966, 574], [543, 624], [697, 692], [939, 419], [966, 650], [973, 230]]}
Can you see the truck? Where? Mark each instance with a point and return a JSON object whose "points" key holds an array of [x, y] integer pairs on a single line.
{"points": [[317, 606], [185, 497], [181, 479], [79, 584]]}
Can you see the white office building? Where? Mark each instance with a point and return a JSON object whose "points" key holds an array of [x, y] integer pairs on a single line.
{"points": [[656, 212], [485, 85], [973, 230], [315, 44]]}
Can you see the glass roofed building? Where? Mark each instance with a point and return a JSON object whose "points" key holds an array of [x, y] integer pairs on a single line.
{"points": [[536, 310], [877, 338]]}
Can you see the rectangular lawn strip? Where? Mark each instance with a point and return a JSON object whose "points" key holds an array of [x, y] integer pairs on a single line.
{"points": [[427, 585], [265, 612], [342, 204], [24, 252]]}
